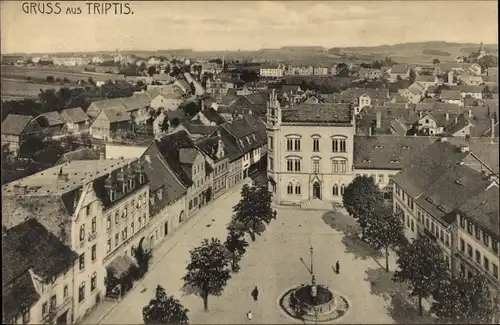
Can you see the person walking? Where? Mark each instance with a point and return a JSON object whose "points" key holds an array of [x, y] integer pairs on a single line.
{"points": [[255, 293], [337, 267], [249, 315], [274, 214]]}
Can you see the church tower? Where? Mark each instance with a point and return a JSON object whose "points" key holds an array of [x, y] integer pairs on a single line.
{"points": [[273, 124]]}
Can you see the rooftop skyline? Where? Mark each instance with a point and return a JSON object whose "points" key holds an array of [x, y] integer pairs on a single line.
{"points": [[248, 25]]}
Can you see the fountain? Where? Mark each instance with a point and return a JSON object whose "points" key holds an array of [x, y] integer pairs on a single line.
{"points": [[313, 302]]}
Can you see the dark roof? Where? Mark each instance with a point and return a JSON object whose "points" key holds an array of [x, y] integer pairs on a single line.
{"points": [[373, 93], [482, 148], [170, 146], [74, 115], [425, 78], [212, 115], [162, 177], [387, 151], [80, 154], [388, 114], [30, 246], [483, 210], [116, 115], [17, 124], [53, 118], [451, 189], [229, 99], [210, 147], [195, 127], [18, 295], [259, 98], [428, 166], [239, 137], [450, 95], [398, 127], [400, 68], [178, 113], [461, 122], [318, 113]]}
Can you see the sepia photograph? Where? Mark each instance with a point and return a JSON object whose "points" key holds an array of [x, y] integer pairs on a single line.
{"points": [[250, 162]]}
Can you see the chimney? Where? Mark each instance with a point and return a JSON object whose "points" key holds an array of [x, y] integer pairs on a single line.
{"points": [[470, 113], [370, 130], [456, 119], [447, 116], [464, 148], [101, 155], [379, 119], [420, 114]]}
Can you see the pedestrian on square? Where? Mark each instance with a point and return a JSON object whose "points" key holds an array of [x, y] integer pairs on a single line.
{"points": [[249, 315], [337, 267], [255, 293], [274, 214]]}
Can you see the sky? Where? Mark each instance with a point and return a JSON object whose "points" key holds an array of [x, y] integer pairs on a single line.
{"points": [[246, 25]]}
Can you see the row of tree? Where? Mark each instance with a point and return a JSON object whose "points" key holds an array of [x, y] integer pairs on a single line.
{"points": [[212, 262], [421, 263]]}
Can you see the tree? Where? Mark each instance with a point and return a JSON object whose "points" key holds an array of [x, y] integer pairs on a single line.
{"points": [[151, 70], [191, 108], [165, 125], [163, 309], [91, 81], [360, 199], [208, 269], [175, 122], [421, 266], [143, 258], [413, 75], [254, 207], [50, 79], [487, 92], [236, 245], [436, 61], [385, 230], [457, 300]]}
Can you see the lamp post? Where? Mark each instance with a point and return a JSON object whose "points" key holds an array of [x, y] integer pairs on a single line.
{"points": [[311, 250]]}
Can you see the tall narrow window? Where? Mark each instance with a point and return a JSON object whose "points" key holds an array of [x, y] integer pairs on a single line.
{"points": [[297, 188], [81, 292], [343, 146], [289, 188], [82, 232], [335, 145], [315, 166], [297, 144], [335, 166], [342, 188], [93, 282], [289, 145], [297, 165], [335, 190], [289, 165], [316, 145], [94, 224], [343, 166]]}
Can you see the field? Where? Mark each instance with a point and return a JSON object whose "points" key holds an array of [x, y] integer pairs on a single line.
{"points": [[18, 89], [40, 73]]}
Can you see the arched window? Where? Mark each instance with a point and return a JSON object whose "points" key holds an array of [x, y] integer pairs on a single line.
{"points": [[339, 165], [335, 190], [297, 188], [342, 188], [289, 188]]}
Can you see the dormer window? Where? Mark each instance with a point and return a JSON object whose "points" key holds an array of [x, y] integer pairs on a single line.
{"points": [[406, 147], [378, 146], [160, 194], [151, 200], [394, 161], [131, 184], [367, 160], [112, 195]]}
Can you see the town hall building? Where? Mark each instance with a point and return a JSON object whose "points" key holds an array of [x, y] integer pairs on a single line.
{"points": [[310, 152]]}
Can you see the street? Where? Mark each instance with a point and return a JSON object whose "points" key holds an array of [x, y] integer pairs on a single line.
{"points": [[273, 264]]}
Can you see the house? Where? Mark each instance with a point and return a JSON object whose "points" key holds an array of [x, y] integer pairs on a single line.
{"points": [[444, 196], [209, 116], [382, 156], [451, 97], [427, 80], [184, 86], [195, 129], [365, 97], [98, 208], [435, 123], [402, 71], [110, 124], [37, 276], [381, 120], [470, 79], [95, 107], [190, 167], [53, 123], [413, 94], [320, 71], [370, 74], [271, 71], [17, 128], [163, 78], [79, 154], [217, 157], [169, 102], [75, 118], [471, 91]]}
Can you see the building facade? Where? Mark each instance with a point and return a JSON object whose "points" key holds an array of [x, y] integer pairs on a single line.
{"points": [[310, 151]]}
